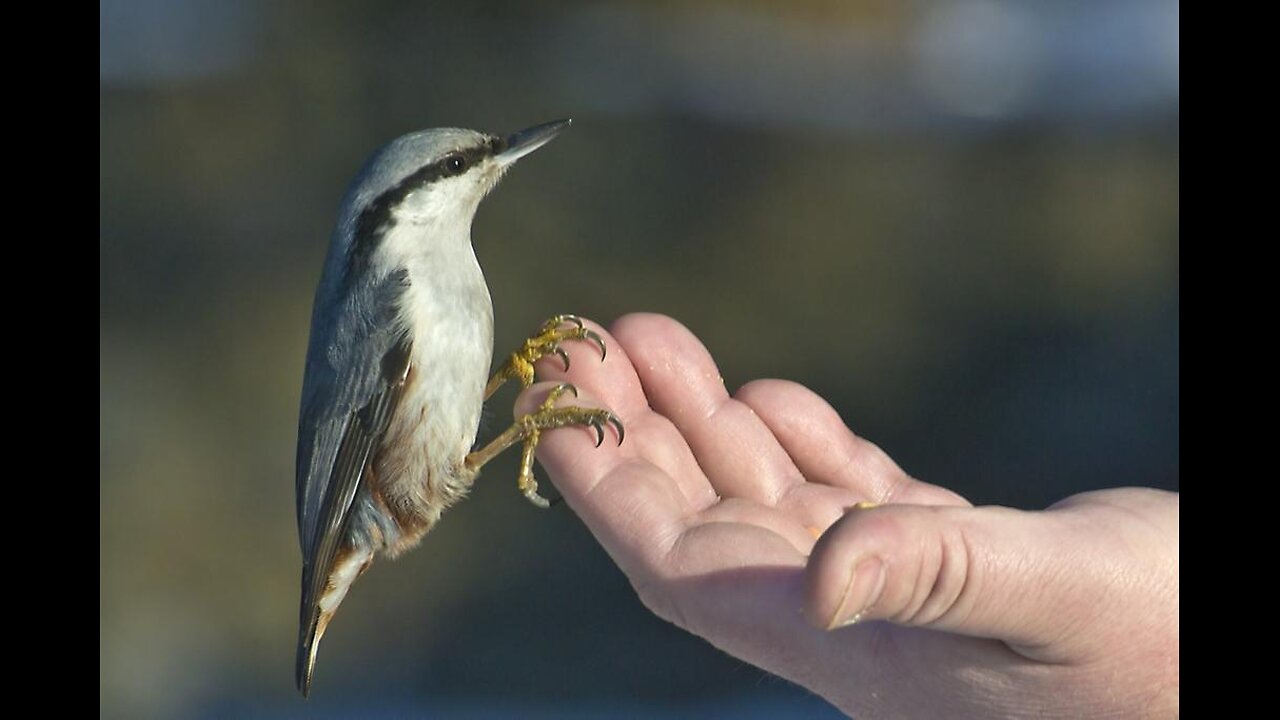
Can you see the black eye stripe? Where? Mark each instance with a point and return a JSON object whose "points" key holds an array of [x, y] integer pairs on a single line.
{"points": [[446, 166]]}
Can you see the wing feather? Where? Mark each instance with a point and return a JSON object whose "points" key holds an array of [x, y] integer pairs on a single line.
{"points": [[349, 398]]}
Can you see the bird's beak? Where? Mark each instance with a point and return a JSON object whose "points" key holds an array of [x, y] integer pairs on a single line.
{"points": [[526, 141]]}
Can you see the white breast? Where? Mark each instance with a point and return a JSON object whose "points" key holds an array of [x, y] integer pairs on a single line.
{"points": [[452, 329], [449, 315]]}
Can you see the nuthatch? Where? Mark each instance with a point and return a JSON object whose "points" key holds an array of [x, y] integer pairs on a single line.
{"points": [[401, 340]]}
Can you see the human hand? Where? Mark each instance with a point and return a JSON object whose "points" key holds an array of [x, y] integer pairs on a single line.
{"points": [[713, 505]]}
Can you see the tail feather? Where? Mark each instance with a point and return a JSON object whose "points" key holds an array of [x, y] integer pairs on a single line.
{"points": [[318, 609], [308, 644]]}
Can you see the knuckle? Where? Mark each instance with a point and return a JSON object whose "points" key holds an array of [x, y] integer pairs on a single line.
{"points": [[944, 581]]}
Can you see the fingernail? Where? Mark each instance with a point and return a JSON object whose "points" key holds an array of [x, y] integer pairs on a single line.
{"points": [[863, 591]]}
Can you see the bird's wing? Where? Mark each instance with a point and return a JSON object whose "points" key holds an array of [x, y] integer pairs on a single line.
{"points": [[356, 369], [360, 438]]}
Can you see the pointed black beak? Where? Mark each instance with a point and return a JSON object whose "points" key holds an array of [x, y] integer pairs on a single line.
{"points": [[526, 141]]}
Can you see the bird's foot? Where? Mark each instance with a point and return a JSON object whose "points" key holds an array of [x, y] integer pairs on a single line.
{"points": [[547, 341], [548, 417], [528, 430]]}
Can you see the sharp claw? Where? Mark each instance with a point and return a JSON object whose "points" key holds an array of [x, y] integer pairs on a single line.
{"points": [[563, 356], [559, 390], [599, 428], [617, 425], [595, 337], [571, 319]]}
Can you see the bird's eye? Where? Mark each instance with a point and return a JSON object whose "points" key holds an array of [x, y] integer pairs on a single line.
{"points": [[455, 164]]}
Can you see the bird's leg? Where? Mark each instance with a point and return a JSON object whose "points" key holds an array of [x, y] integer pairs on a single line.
{"points": [[545, 342], [528, 429]]}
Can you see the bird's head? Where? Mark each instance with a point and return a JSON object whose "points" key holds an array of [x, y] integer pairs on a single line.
{"points": [[431, 180]]}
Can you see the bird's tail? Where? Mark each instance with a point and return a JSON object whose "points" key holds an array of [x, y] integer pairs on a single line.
{"points": [[319, 603]]}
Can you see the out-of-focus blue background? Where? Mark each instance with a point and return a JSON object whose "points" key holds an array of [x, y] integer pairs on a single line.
{"points": [[957, 220]]}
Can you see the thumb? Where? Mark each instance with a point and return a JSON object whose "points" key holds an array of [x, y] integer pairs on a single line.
{"points": [[993, 572]]}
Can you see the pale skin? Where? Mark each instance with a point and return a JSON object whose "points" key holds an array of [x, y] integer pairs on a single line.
{"points": [[737, 518]]}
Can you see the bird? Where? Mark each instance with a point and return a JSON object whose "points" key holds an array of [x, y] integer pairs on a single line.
{"points": [[398, 360]]}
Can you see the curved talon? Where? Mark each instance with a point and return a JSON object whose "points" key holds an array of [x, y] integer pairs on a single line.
{"points": [[556, 392], [617, 425], [563, 356], [599, 428], [595, 337], [561, 319]]}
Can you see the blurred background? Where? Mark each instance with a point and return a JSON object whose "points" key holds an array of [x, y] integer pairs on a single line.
{"points": [[957, 220]]}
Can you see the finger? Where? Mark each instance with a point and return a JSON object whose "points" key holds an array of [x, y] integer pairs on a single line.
{"points": [[614, 385], [631, 506], [826, 451], [735, 449], [987, 572], [575, 461], [611, 380]]}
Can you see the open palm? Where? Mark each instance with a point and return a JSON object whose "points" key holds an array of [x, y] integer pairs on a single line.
{"points": [[738, 519]]}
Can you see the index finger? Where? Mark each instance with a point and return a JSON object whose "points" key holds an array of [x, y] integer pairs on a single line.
{"points": [[637, 497], [613, 383]]}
